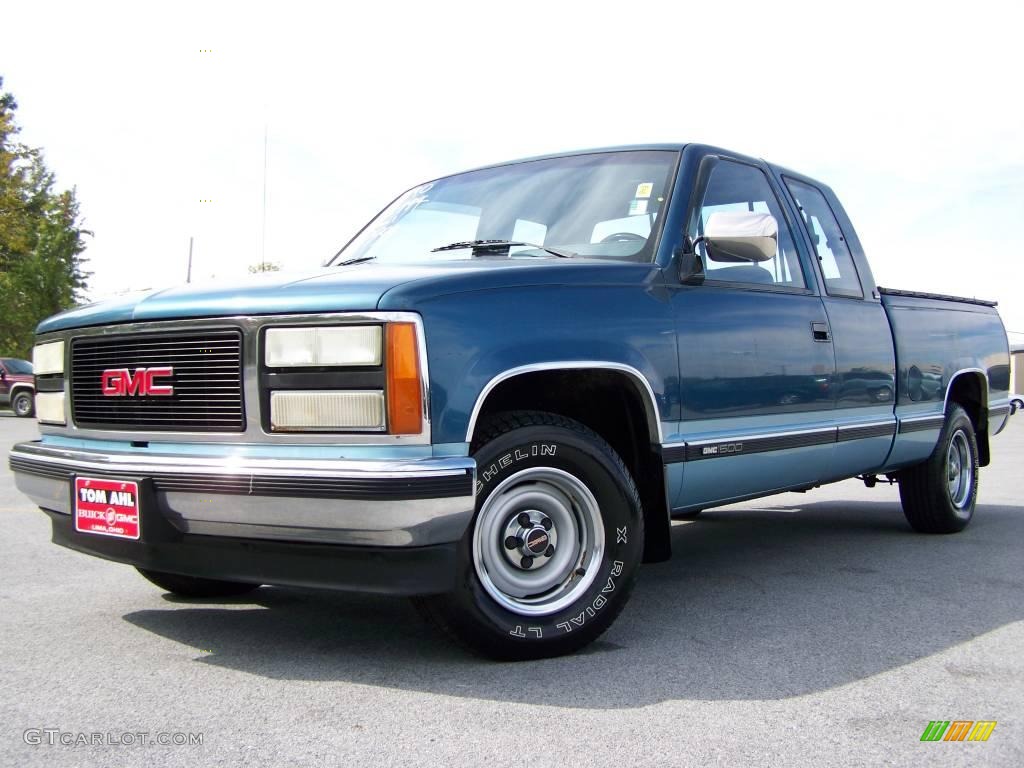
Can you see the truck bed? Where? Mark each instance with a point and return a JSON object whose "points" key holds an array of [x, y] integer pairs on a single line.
{"points": [[938, 337]]}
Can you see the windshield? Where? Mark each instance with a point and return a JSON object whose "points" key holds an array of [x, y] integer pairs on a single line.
{"points": [[18, 367], [603, 205]]}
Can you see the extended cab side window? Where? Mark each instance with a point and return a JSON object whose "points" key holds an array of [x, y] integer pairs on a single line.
{"points": [[830, 245], [734, 187]]}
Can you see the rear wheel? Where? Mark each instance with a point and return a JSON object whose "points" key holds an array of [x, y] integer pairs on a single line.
{"points": [[939, 495], [192, 586], [22, 404], [554, 548]]}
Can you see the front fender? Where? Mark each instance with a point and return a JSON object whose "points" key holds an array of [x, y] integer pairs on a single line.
{"points": [[475, 340]]}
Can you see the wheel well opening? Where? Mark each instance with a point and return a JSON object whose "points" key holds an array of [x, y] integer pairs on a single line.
{"points": [[17, 389], [968, 391], [612, 404]]}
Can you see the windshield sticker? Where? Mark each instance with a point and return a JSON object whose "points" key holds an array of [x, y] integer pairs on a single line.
{"points": [[637, 207], [644, 189]]}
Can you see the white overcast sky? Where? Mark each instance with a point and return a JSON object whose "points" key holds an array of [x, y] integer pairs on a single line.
{"points": [[912, 112]]}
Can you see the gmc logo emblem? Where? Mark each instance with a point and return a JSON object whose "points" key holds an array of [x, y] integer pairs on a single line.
{"points": [[720, 450], [120, 382]]}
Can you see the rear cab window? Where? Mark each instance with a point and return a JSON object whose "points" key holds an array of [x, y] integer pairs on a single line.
{"points": [[828, 240]]}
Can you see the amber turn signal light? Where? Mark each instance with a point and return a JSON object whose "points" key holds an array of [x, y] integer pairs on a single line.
{"points": [[405, 395]]}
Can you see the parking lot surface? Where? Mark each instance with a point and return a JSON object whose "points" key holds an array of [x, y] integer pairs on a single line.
{"points": [[801, 629]]}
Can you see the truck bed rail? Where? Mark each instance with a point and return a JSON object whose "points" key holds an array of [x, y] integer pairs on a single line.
{"points": [[937, 296]]}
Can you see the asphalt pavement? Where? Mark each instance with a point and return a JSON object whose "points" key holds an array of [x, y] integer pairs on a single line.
{"points": [[802, 629]]}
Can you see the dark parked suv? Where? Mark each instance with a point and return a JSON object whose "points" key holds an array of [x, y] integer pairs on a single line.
{"points": [[17, 386]]}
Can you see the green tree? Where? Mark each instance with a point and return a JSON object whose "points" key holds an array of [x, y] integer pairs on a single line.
{"points": [[41, 239]]}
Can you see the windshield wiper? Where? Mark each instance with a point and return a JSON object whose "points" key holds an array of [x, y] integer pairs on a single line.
{"points": [[495, 245], [357, 260]]}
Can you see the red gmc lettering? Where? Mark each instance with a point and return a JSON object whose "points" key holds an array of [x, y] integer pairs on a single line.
{"points": [[119, 382]]}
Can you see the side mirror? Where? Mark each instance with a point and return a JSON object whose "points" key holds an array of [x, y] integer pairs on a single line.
{"points": [[741, 237], [691, 268]]}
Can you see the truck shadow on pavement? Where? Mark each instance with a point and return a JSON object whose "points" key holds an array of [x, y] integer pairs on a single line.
{"points": [[755, 604]]}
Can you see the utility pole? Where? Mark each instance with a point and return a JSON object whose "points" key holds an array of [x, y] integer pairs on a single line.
{"points": [[263, 235], [188, 275]]}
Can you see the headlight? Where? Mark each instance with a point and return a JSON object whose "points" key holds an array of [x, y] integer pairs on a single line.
{"points": [[370, 378], [360, 410], [346, 345], [48, 358], [50, 407]]}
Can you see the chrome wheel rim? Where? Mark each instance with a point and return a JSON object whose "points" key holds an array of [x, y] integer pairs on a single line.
{"points": [[959, 470], [538, 541], [22, 405]]}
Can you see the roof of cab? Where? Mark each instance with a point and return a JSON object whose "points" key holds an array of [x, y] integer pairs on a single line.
{"points": [[575, 152], [669, 147]]}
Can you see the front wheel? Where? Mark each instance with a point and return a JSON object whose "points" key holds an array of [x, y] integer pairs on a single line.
{"points": [[23, 405], [551, 556], [939, 495], [193, 586]]}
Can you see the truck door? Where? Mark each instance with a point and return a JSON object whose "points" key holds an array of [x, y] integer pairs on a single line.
{"points": [[755, 356], [865, 384]]}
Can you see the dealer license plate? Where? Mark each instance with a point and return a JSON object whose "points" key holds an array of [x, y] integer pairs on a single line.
{"points": [[107, 507]]}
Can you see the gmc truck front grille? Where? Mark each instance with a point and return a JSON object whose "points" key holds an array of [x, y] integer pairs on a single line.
{"points": [[205, 382]]}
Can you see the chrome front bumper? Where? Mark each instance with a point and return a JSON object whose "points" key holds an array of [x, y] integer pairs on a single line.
{"points": [[379, 503]]}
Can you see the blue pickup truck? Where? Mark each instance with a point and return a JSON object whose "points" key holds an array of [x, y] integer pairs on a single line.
{"points": [[497, 396]]}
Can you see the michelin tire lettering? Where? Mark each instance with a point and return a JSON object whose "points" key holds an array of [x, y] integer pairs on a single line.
{"points": [[512, 457]]}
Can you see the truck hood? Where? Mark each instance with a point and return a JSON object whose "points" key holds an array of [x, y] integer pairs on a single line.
{"points": [[358, 287]]}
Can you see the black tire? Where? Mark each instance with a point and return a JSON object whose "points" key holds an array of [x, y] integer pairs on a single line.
{"points": [[192, 586], [692, 514], [23, 404], [930, 502], [527, 448]]}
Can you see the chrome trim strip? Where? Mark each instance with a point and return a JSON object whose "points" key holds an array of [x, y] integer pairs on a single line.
{"points": [[867, 430], [949, 386], [921, 423], [1001, 406], [650, 401], [925, 417], [250, 326], [748, 436], [745, 446], [753, 436], [234, 465], [295, 488], [407, 523], [866, 424], [762, 442]]}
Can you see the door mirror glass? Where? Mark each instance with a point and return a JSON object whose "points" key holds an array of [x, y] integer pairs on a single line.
{"points": [[741, 237]]}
